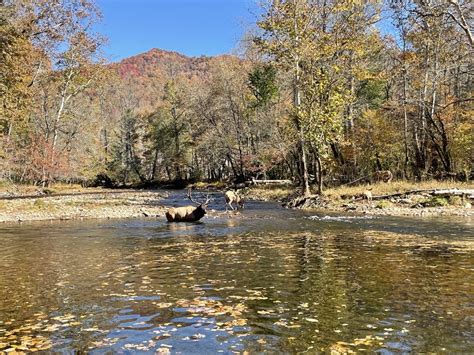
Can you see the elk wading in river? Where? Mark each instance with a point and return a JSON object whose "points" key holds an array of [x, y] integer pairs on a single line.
{"points": [[187, 213], [230, 197]]}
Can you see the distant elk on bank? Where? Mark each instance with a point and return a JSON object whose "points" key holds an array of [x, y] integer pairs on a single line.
{"points": [[188, 213]]}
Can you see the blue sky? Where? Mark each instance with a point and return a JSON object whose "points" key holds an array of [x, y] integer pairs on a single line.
{"points": [[191, 27]]}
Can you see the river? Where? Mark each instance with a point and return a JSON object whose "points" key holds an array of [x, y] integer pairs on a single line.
{"points": [[267, 279]]}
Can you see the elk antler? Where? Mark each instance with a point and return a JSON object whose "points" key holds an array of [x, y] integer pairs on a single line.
{"points": [[196, 202], [190, 197]]}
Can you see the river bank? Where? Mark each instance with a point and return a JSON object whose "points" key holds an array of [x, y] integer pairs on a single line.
{"points": [[73, 202], [83, 204], [352, 199]]}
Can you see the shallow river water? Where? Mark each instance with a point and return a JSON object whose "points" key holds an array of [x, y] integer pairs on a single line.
{"points": [[267, 279]]}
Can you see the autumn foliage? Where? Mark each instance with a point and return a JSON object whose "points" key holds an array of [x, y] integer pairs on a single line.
{"points": [[317, 95]]}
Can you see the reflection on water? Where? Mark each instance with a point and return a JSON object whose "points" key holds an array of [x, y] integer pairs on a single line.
{"points": [[274, 281]]}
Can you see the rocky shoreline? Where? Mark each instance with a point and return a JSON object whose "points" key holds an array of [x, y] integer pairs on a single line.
{"points": [[417, 205], [113, 204], [405, 211]]}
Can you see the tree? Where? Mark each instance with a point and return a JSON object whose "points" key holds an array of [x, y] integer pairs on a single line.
{"points": [[159, 143], [125, 164], [174, 107], [16, 74], [53, 56], [318, 43], [436, 93], [262, 83], [288, 38]]}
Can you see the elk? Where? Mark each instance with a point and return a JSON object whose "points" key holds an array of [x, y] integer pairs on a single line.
{"points": [[368, 195], [383, 175], [230, 197], [188, 213]]}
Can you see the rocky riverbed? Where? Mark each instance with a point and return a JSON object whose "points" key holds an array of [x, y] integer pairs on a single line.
{"points": [[113, 204], [414, 205], [402, 210]]}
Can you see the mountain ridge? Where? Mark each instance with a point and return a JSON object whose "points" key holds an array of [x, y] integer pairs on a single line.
{"points": [[145, 74], [159, 56]]}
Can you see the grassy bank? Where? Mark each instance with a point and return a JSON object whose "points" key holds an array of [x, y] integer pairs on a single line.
{"points": [[350, 198]]}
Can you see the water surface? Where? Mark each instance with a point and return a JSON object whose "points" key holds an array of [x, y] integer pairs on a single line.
{"points": [[267, 279]]}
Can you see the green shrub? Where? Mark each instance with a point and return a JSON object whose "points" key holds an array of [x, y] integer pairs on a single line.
{"points": [[384, 204], [39, 203], [435, 201], [456, 201]]}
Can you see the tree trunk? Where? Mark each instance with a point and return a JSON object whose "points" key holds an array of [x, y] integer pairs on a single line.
{"points": [[462, 22], [320, 175], [405, 120], [231, 162], [297, 103], [155, 164], [306, 190]]}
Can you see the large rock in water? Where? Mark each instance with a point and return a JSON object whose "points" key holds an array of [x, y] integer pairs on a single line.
{"points": [[302, 202]]}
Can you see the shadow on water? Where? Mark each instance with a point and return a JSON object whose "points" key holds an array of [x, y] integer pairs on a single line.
{"points": [[262, 279]]}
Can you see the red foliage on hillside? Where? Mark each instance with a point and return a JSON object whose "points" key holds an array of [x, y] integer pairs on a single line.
{"points": [[146, 74]]}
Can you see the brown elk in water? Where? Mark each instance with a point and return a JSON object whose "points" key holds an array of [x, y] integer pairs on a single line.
{"points": [[187, 213], [230, 197]]}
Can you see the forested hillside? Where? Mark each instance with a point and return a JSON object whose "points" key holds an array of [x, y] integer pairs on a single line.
{"points": [[319, 95], [146, 74]]}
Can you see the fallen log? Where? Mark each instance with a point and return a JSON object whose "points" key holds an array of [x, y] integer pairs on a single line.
{"points": [[455, 192], [356, 180], [445, 192], [269, 182], [304, 202], [398, 194]]}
